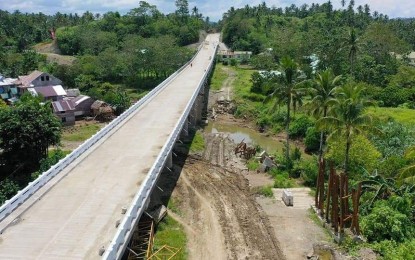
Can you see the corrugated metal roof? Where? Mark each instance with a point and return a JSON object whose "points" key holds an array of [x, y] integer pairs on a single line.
{"points": [[59, 90], [63, 106], [7, 81], [27, 80], [79, 99], [48, 91]]}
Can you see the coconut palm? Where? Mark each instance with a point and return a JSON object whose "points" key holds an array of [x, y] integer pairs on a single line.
{"points": [[287, 91], [322, 92], [348, 117], [353, 45]]}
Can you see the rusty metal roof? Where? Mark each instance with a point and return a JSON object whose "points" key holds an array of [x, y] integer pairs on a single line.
{"points": [[63, 106]]}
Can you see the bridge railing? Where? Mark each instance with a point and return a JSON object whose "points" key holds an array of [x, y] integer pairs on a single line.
{"points": [[10, 205], [139, 204]]}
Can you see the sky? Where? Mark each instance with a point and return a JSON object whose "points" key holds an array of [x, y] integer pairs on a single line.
{"points": [[212, 8]]}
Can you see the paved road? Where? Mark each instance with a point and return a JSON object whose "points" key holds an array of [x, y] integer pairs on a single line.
{"points": [[73, 217]]}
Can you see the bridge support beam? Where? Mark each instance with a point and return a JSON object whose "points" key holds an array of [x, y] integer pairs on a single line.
{"points": [[185, 129], [169, 161], [199, 108]]}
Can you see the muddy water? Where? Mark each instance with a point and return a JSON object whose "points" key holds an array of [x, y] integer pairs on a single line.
{"points": [[249, 136]]}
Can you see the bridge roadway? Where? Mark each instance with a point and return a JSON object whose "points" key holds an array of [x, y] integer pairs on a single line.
{"points": [[72, 217]]}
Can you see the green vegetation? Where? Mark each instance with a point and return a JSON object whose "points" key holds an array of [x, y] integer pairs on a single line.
{"points": [[218, 77], [252, 164], [26, 131], [266, 191], [198, 142], [173, 205], [170, 232], [335, 65], [405, 116], [80, 133]]}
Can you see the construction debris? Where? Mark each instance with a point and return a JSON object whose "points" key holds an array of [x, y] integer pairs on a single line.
{"points": [[165, 252], [245, 151], [158, 213], [222, 106]]}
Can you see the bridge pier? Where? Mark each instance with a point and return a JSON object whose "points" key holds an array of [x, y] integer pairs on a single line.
{"points": [[169, 160], [185, 129]]}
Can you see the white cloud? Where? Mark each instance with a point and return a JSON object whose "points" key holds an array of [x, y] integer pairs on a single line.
{"points": [[212, 8]]}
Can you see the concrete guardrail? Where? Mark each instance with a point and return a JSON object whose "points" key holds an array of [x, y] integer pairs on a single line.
{"points": [[141, 199], [10, 205]]}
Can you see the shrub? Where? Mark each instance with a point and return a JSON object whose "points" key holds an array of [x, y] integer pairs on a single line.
{"points": [[308, 171], [299, 126], [390, 166], [282, 180], [396, 138], [390, 250], [8, 188], [393, 96], [266, 191], [252, 164], [363, 153], [312, 140], [296, 154], [386, 223]]}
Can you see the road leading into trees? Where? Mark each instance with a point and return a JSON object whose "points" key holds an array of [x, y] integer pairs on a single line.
{"points": [[72, 217]]}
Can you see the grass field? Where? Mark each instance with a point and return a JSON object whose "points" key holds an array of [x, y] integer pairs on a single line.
{"points": [[171, 233], [219, 76], [404, 116], [79, 133], [198, 142]]}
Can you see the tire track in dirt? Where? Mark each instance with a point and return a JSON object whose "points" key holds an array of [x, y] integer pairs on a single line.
{"points": [[217, 204]]}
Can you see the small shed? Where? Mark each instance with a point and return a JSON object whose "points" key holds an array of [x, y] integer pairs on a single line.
{"points": [[83, 105], [65, 110], [102, 110]]}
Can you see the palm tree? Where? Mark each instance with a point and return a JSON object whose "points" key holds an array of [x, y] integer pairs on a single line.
{"points": [[322, 92], [349, 117], [353, 45], [287, 91]]}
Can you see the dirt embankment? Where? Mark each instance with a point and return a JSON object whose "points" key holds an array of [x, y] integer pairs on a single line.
{"points": [[220, 215], [53, 53]]}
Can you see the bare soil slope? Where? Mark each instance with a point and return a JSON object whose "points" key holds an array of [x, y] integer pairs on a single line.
{"points": [[220, 214], [53, 54]]}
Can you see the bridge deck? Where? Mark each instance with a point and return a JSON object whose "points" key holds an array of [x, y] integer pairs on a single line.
{"points": [[76, 216]]}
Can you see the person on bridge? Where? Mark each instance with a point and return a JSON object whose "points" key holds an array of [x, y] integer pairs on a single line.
{"points": [[191, 65]]}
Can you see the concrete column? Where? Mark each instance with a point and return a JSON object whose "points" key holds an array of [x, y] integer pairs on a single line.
{"points": [[199, 107], [185, 129], [192, 116], [169, 160]]}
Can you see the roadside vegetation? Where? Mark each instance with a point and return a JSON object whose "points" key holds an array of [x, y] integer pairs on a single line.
{"points": [[171, 233], [328, 79], [198, 142], [119, 58], [80, 133]]}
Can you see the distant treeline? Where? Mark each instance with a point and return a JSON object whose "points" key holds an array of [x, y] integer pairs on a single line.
{"points": [[138, 49], [351, 40]]}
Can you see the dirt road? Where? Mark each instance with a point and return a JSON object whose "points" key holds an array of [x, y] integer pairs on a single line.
{"points": [[221, 217]]}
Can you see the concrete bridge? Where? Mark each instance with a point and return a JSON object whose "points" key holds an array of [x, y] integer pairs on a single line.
{"points": [[91, 200]]}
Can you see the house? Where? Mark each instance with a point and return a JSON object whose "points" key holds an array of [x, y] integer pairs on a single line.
{"points": [[411, 58], [53, 93], [239, 55], [36, 79], [8, 90], [102, 110], [73, 92], [65, 110], [83, 105]]}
